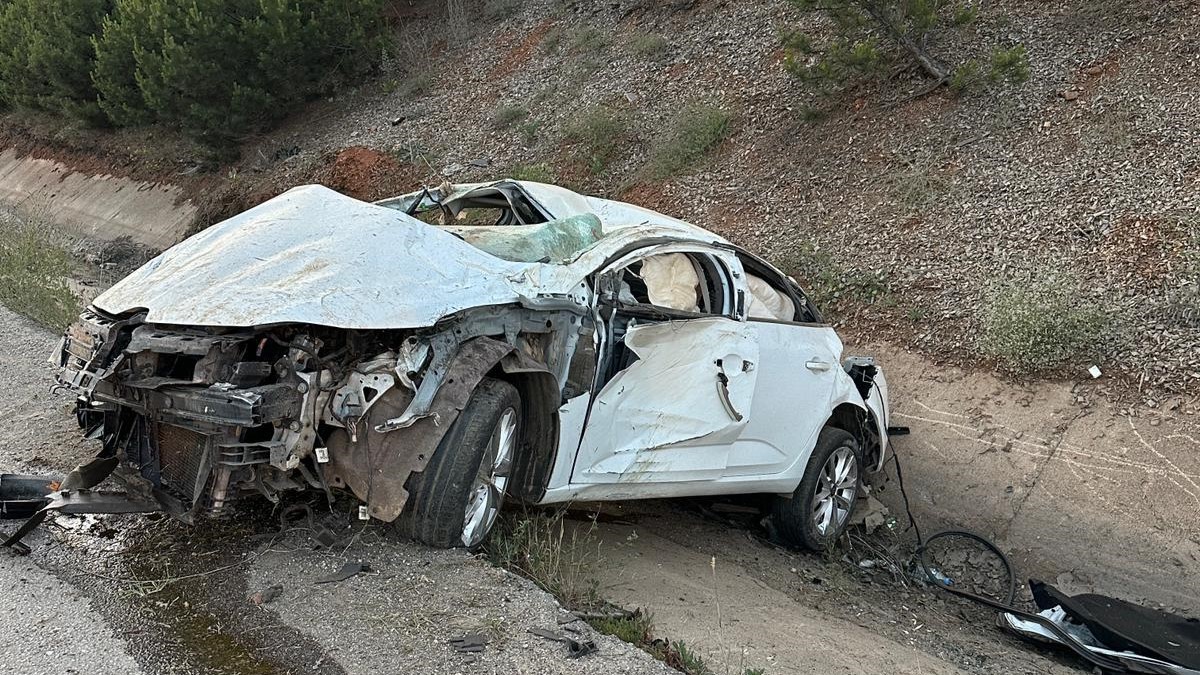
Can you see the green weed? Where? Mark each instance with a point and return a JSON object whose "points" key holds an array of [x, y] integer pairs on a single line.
{"points": [[695, 131]]}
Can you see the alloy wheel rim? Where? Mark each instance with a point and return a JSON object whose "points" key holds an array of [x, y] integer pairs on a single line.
{"points": [[487, 493], [837, 489]]}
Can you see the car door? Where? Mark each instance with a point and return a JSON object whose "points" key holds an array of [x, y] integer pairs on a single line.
{"points": [[799, 359], [676, 372]]}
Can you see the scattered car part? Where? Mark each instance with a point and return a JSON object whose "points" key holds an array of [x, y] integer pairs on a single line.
{"points": [[21, 496], [471, 643], [575, 648], [348, 570]]}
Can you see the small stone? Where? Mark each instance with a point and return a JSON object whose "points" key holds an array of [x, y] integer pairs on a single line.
{"points": [[1070, 95]]}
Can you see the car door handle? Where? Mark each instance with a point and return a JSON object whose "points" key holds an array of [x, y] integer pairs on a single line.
{"points": [[817, 366]]}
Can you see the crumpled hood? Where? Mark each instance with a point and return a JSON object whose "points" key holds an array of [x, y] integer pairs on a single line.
{"points": [[312, 255]]}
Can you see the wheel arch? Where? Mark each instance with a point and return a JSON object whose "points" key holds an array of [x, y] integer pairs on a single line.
{"points": [[860, 422], [540, 400]]}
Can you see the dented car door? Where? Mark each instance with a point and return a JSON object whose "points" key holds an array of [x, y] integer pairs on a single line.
{"points": [[677, 370]]}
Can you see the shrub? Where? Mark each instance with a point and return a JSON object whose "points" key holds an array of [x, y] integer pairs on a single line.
{"points": [[598, 132], [696, 130], [869, 40], [1042, 322], [220, 69], [46, 55], [33, 275], [649, 45], [508, 115]]}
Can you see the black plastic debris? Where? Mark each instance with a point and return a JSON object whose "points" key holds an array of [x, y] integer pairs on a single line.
{"points": [[575, 648], [348, 570], [1124, 626], [22, 496], [1121, 635], [471, 643]]}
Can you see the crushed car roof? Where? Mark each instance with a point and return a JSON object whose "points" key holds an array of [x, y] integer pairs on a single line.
{"points": [[313, 255]]}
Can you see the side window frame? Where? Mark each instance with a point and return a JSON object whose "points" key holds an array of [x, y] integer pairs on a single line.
{"points": [[714, 261], [806, 311]]}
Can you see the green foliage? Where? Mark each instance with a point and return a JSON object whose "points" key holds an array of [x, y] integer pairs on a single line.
{"points": [[1010, 65], [220, 69], [650, 46], [636, 628], [682, 658], [537, 173], [695, 131], [508, 115], [529, 131], [46, 55], [34, 273], [1042, 322], [871, 39], [598, 132], [967, 77]]}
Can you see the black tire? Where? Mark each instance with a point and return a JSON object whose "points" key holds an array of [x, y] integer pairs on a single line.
{"points": [[794, 517], [438, 496]]}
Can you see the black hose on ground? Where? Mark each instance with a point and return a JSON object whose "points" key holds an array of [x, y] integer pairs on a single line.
{"points": [[921, 555]]}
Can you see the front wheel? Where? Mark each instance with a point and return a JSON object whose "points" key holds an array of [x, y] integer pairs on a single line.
{"points": [[456, 499], [819, 511]]}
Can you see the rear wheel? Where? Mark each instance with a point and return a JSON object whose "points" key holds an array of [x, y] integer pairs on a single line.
{"points": [[819, 511], [456, 499]]}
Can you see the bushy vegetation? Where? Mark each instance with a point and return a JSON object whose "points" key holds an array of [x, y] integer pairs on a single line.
{"points": [[33, 275], [1043, 322], [217, 69], [872, 39], [597, 133], [695, 131]]}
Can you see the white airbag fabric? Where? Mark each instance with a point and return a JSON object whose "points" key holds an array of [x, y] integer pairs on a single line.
{"points": [[768, 303], [671, 281]]}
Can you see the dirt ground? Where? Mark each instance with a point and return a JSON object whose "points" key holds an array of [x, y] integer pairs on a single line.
{"points": [[1080, 497]]}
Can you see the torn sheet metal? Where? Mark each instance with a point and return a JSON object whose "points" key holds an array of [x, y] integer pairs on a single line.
{"points": [[312, 255], [693, 381], [1135, 663]]}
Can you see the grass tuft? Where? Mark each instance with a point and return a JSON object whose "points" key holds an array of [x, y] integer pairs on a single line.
{"points": [[695, 131], [1041, 323], [542, 548], [507, 115], [537, 173], [598, 132]]}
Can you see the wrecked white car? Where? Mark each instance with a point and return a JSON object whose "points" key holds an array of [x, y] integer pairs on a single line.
{"points": [[439, 353]]}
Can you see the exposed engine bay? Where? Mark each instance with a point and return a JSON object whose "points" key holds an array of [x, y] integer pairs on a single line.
{"points": [[200, 417]]}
